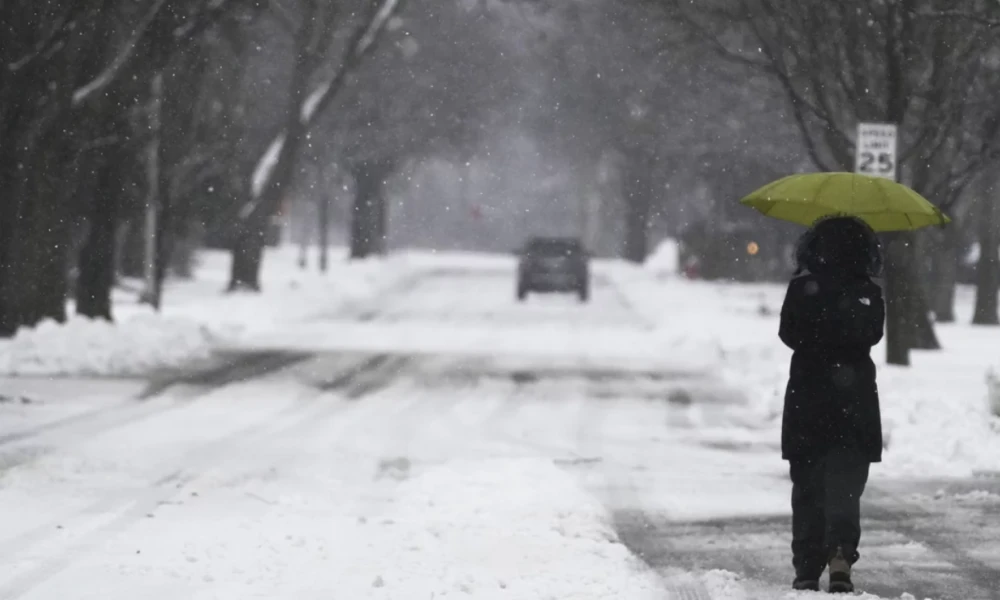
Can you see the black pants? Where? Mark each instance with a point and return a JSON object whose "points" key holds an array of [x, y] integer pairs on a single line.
{"points": [[826, 509]]}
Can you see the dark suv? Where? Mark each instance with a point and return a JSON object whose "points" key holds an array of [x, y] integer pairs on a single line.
{"points": [[549, 264]]}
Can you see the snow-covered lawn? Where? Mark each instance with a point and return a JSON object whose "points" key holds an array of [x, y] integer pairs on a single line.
{"points": [[197, 316]]}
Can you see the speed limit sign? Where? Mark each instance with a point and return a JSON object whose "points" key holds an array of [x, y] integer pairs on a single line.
{"points": [[875, 153]]}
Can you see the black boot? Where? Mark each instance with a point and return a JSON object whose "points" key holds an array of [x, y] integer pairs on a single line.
{"points": [[806, 584], [840, 574]]}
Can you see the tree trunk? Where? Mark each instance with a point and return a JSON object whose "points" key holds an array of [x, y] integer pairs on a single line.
{"points": [[897, 334], [11, 235], [133, 250], [944, 274], [48, 277], [251, 237], [908, 324], [369, 214], [988, 267], [156, 200], [248, 254], [97, 257], [324, 230], [638, 190], [181, 250], [35, 278], [924, 337], [121, 239]]}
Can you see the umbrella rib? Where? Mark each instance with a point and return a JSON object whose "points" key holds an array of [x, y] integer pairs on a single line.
{"points": [[819, 189], [854, 188], [763, 191]]}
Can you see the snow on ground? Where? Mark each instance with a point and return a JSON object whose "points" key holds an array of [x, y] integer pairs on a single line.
{"points": [[478, 319], [936, 413], [512, 529], [507, 528], [289, 293], [664, 260], [478, 507], [196, 316], [270, 489], [133, 346]]}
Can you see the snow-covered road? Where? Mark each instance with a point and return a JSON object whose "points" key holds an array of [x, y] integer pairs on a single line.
{"points": [[447, 440]]}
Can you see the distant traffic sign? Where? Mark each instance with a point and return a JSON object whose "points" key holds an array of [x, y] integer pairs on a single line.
{"points": [[876, 150]]}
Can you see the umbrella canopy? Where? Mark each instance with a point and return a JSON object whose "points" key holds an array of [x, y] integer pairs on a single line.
{"points": [[882, 203]]}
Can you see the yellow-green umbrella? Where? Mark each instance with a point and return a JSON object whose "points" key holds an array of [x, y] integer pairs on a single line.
{"points": [[882, 203]]}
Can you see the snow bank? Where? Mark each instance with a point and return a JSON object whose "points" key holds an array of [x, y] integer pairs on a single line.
{"points": [[196, 317], [84, 346], [664, 259], [289, 293], [937, 428], [993, 389], [506, 528]]}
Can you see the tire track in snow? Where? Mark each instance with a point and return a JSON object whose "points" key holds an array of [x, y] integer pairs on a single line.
{"points": [[235, 367], [92, 423], [367, 309], [175, 474]]}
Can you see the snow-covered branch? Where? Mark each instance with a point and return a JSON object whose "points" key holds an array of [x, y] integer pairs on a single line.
{"points": [[62, 25], [194, 24], [376, 26], [265, 167], [105, 77], [319, 96], [315, 98]]}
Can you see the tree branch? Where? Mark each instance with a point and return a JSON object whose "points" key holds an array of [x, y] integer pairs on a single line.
{"points": [[105, 77], [961, 15], [720, 49]]}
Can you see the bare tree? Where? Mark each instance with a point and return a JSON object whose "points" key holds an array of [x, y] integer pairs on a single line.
{"points": [[317, 79], [437, 90], [645, 95], [904, 62], [71, 76], [50, 49], [145, 106]]}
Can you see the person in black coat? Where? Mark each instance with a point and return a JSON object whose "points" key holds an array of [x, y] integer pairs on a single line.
{"points": [[832, 315]]}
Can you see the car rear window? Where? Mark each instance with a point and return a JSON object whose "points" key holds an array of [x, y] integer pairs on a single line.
{"points": [[554, 247]]}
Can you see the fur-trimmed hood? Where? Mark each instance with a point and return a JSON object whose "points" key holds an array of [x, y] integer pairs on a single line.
{"points": [[840, 246]]}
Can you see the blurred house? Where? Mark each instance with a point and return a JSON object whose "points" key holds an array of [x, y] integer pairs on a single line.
{"points": [[736, 251]]}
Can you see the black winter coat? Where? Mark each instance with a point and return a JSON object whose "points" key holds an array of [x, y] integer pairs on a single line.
{"points": [[831, 322]]}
